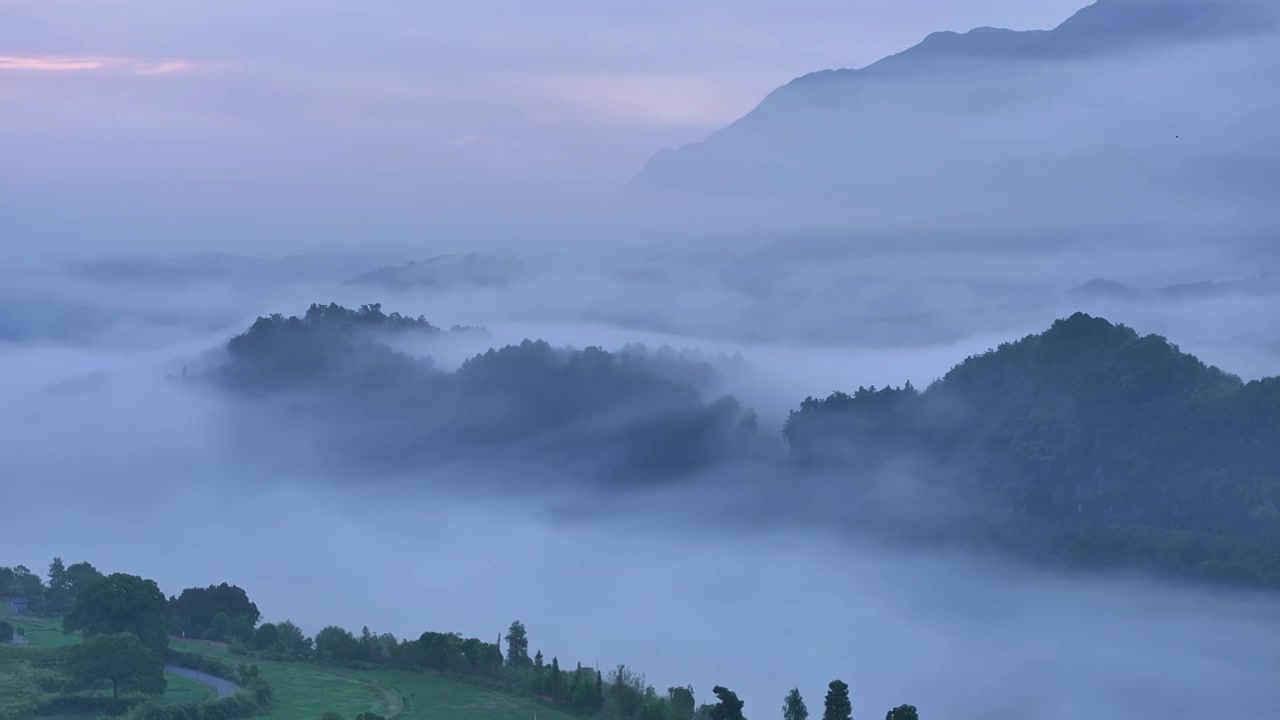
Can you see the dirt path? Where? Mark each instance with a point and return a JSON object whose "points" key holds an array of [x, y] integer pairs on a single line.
{"points": [[225, 688]]}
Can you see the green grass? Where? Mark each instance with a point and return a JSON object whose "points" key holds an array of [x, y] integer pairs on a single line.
{"points": [[304, 691], [20, 665], [42, 632], [185, 690]]}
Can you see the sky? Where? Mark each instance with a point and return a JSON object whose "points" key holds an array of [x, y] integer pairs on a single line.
{"points": [[234, 114]]}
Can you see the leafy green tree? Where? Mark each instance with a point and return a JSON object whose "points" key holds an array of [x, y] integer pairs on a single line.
{"points": [[59, 594], [121, 603], [196, 613], [292, 641], [903, 712], [837, 705], [728, 707], [6, 632], [793, 707], [266, 637], [78, 577], [336, 645], [118, 659], [682, 703], [517, 646]]}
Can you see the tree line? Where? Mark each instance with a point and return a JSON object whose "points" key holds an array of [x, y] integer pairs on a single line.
{"points": [[126, 623]]}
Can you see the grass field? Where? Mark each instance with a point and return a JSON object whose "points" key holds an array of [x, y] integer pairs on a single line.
{"points": [[304, 692], [46, 633]]}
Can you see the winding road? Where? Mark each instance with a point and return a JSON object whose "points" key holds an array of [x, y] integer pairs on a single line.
{"points": [[225, 688]]}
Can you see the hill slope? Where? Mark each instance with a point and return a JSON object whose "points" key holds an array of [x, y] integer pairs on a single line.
{"points": [[1109, 447], [996, 102]]}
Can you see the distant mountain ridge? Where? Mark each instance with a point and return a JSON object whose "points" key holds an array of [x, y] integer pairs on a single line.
{"points": [[1256, 286], [447, 272], [1106, 29]]}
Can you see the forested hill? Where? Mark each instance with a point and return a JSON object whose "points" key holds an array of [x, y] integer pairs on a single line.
{"points": [[632, 414], [1110, 447]]}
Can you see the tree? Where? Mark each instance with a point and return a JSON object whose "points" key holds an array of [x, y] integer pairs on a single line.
{"points": [[121, 603], [793, 707], [80, 576], [837, 705], [266, 637], [682, 703], [903, 712], [120, 659], [292, 641], [555, 681], [729, 706], [59, 593], [6, 632], [336, 645], [195, 612], [517, 646]]}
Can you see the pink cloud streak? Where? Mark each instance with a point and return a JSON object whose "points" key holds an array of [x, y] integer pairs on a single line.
{"points": [[60, 64]]}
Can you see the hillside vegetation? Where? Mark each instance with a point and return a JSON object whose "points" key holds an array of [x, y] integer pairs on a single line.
{"points": [[1103, 446]]}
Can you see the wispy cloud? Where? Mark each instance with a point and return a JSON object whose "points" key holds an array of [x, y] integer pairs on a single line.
{"points": [[51, 64], [132, 66]]}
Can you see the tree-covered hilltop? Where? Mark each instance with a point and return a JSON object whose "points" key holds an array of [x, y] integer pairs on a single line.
{"points": [[1089, 442], [633, 414], [328, 340]]}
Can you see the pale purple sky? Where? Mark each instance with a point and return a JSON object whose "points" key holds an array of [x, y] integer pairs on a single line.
{"points": [[210, 99]]}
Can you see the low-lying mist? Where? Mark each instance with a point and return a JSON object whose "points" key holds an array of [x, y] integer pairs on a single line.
{"points": [[717, 581], [673, 586]]}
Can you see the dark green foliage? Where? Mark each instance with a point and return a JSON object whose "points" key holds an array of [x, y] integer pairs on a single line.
{"points": [[1088, 444], [336, 645], [837, 705], [627, 416], [450, 652], [727, 707], [266, 637], [903, 712], [793, 707], [682, 703], [121, 661], [517, 646], [291, 642], [19, 581], [121, 603], [6, 632], [555, 681], [278, 352], [218, 612]]}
